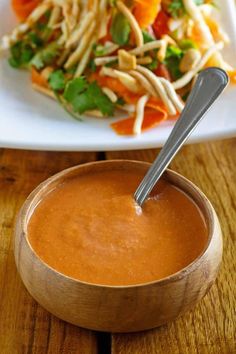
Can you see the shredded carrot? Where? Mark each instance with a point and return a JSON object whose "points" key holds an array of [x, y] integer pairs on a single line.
{"points": [[156, 103], [155, 110], [131, 97], [212, 24], [38, 79], [110, 82], [232, 76], [197, 36], [151, 119], [23, 8], [145, 11], [214, 28]]}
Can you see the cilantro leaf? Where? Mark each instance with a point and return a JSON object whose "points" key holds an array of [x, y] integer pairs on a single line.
{"points": [[173, 51], [21, 54], [186, 44], [92, 65], [45, 56], [120, 101], [47, 14], [47, 32], [57, 80], [176, 7], [72, 70], [74, 88], [83, 102], [172, 61], [35, 40], [153, 65], [40, 26], [38, 62], [147, 37], [83, 97], [102, 102], [66, 108], [99, 50], [120, 29], [113, 62], [172, 65]]}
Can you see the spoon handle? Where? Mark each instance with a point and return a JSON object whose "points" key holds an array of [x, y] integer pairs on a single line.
{"points": [[209, 85]]}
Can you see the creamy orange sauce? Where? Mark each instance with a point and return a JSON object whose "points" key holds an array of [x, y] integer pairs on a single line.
{"points": [[89, 228]]}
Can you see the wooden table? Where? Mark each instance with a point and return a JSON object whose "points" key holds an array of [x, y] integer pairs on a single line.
{"points": [[25, 327]]}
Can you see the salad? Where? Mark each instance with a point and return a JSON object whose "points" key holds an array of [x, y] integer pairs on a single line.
{"points": [[103, 57]]}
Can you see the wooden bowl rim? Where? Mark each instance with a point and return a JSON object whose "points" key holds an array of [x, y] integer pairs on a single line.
{"points": [[211, 215]]}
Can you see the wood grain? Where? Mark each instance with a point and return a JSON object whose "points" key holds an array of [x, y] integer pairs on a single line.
{"points": [[25, 327], [210, 328]]}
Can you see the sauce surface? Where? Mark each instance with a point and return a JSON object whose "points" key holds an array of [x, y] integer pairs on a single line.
{"points": [[90, 228]]}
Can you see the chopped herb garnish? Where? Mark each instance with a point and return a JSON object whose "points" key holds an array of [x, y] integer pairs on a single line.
{"points": [[35, 40], [44, 31], [40, 26], [186, 44], [72, 70], [99, 50], [147, 37], [57, 80], [84, 96], [120, 101], [102, 102], [21, 54], [83, 102], [64, 105], [120, 29], [47, 34], [177, 9], [173, 51], [172, 61], [45, 56], [74, 88], [172, 65], [38, 62], [92, 65], [113, 62], [47, 14], [153, 65], [199, 2]]}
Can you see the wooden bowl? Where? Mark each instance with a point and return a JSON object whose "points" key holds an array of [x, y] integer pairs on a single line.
{"points": [[117, 308]]}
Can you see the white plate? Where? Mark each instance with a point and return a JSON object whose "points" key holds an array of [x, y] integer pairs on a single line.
{"points": [[31, 121]]}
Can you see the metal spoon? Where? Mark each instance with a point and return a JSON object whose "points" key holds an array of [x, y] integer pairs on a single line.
{"points": [[209, 85]]}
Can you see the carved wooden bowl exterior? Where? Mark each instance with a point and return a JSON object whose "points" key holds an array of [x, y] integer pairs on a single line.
{"points": [[117, 308]]}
